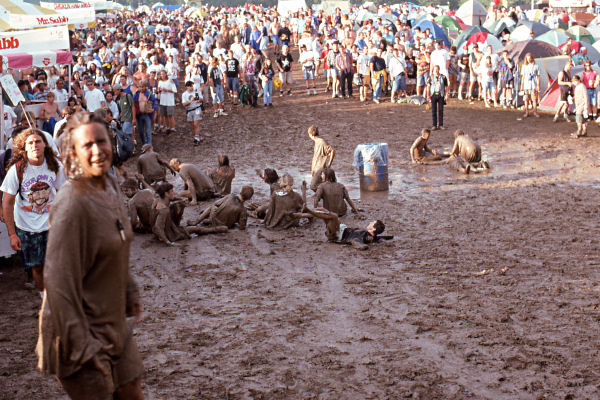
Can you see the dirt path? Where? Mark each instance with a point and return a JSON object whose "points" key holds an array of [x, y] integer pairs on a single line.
{"points": [[489, 291]]}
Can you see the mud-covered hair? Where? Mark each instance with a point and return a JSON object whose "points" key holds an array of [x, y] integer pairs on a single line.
{"points": [[163, 188], [329, 175], [270, 176]]}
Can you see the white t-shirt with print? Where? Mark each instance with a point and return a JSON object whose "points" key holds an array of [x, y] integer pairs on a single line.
{"points": [[39, 185], [167, 98]]}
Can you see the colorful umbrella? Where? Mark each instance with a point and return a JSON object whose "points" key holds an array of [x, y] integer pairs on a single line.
{"points": [[447, 22], [466, 34], [482, 40]]}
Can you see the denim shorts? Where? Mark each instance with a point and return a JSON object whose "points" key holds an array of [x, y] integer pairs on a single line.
{"points": [[217, 94], [592, 96], [275, 39], [422, 79], [33, 248], [309, 73], [233, 84], [399, 83]]}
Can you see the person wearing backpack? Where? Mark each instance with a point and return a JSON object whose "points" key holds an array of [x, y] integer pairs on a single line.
{"points": [[145, 105], [126, 105], [28, 190]]}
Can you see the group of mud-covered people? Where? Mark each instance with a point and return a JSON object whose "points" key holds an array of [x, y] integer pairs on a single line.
{"points": [[155, 208]]}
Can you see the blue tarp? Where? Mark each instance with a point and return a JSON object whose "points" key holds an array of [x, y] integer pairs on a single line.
{"points": [[169, 7]]}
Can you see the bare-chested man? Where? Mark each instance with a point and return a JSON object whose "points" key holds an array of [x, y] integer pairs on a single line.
{"points": [[49, 113], [284, 203], [152, 166], [272, 179], [334, 194], [222, 176], [466, 154], [227, 211], [420, 152], [198, 186], [323, 155]]}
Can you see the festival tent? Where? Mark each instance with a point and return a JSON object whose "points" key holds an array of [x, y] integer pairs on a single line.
{"points": [[466, 34], [482, 40], [472, 12], [144, 9], [517, 51], [421, 18], [502, 24], [329, 6], [447, 22], [551, 95], [554, 37], [594, 30], [436, 31], [581, 34], [14, 14], [389, 17], [523, 31], [592, 53], [286, 6], [534, 14], [364, 15]]}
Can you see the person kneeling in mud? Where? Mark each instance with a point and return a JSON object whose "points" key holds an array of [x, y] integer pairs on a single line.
{"points": [[227, 211], [140, 204], [339, 233], [198, 186], [151, 166], [222, 176], [421, 153], [334, 194], [283, 206], [270, 177], [465, 156]]}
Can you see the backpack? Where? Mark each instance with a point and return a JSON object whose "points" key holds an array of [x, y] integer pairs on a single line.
{"points": [[245, 95], [125, 145]]}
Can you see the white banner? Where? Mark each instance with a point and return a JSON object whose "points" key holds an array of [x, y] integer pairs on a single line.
{"points": [[56, 38], [66, 6], [74, 17], [570, 3]]}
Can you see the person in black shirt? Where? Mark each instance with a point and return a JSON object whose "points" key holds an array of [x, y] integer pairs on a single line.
{"points": [[377, 66], [284, 34], [284, 64], [233, 76]]}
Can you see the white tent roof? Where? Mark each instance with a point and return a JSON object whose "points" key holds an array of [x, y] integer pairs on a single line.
{"points": [[472, 12]]}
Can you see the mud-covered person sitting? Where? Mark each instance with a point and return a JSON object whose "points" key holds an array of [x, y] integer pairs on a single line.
{"points": [[420, 151]]}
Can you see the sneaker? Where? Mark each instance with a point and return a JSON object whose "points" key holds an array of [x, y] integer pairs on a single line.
{"points": [[216, 114], [265, 106], [222, 112], [281, 93], [434, 128], [315, 92], [196, 140], [376, 101], [289, 92], [555, 119], [308, 92], [270, 104], [442, 127]]}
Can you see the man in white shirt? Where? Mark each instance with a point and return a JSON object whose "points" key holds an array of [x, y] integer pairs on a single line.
{"points": [[308, 61], [155, 66], [397, 68], [60, 94], [441, 58], [93, 99]]}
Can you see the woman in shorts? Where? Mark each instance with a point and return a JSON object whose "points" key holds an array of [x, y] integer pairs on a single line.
{"points": [[530, 84]]}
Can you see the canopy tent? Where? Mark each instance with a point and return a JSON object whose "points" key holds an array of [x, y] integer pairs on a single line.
{"points": [[482, 40], [19, 8], [80, 15], [502, 24], [555, 37], [40, 59], [436, 31], [472, 12], [466, 34], [538, 49], [581, 34]]}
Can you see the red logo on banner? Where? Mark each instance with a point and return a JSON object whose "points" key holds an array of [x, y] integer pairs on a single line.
{"points": [[9, 43], [46, 61]]}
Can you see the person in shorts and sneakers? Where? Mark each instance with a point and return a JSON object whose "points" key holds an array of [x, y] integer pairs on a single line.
{"points": [[215, 80], [284, 65], [192, 100], [233, 76], [464, 72], [307, 60], [580, 98], [506, 74], [30, 185], [167, 90]]}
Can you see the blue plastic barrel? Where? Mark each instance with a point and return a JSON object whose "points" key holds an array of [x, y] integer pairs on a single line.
{"points": [[371, 159]]}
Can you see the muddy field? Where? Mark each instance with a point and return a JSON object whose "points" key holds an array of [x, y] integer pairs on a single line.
{"points": [[488, 291]]}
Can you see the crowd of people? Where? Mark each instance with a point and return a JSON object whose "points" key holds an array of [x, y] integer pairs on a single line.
{"points": [[63, 168]]}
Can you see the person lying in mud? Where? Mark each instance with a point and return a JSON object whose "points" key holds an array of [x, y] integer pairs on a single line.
{"points": [[465, 155], [222, 176], [151, 166], [283, 205], [337, 232], [333, 194], [270, 177], [227, 211], [166, 215], [198, 186], [420, 151]]}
